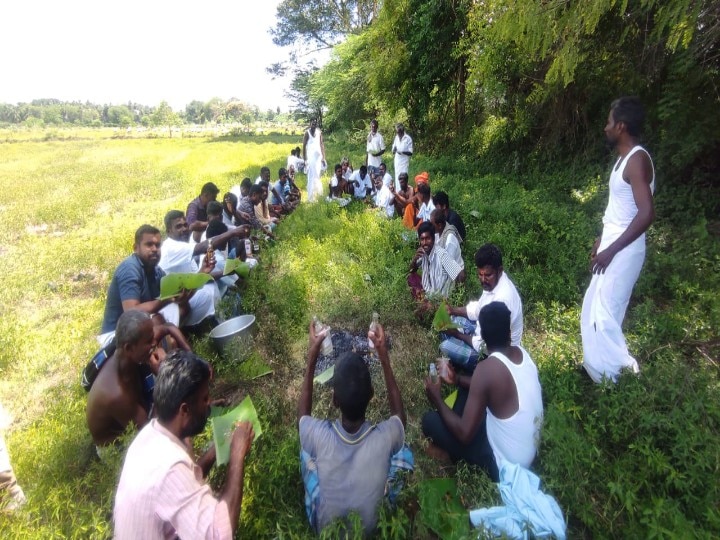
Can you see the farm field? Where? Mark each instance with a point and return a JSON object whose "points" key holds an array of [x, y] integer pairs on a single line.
{"points": [[641, 459]]}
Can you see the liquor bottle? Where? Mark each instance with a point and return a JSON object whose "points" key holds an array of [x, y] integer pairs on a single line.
{"points": [[373, 328], [433, 373], [327, 344]]}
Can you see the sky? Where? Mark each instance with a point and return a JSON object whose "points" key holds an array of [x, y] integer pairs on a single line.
{"points": [[145, 51]]}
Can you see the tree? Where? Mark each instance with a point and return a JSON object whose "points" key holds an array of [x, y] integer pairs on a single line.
{"points": [[163, 115]]}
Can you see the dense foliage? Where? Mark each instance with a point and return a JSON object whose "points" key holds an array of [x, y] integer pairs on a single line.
{"points": [[518, 82]]}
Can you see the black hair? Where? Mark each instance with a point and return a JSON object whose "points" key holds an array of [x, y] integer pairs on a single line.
{"points": [[246, 183], [256, 189], [363, 169], [143, 230], [181, 375], [441, 198], [171, 216], [128, 326], [352, 386], [231, 198], [494, 322], [214, 208], [282, 171], [264, 169], [264, 184], [438, 216], [210, 189], [424, 227], [215, 228], [488, 255], [630, 111], [337, 167]]}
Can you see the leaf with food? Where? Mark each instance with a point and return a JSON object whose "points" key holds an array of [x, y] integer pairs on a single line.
{"points": [[224, 426], [441, 320], [173, 285], [241, 268]]}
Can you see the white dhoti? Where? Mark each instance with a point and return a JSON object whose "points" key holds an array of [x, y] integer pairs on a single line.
{"points": [[605, 351], [314, 183], [202, 304]]}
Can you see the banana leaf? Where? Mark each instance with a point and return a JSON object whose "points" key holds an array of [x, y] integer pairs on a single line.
{"points": [[173, 285], [224, 426], [441, 320], [236, 265]]}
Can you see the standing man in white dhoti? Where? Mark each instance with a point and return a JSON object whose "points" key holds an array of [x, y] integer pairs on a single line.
{"points": [[315, 163], [617, 257], [402, 148]]}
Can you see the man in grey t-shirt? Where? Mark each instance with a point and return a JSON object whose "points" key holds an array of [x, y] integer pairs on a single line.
{"points": [[348, 463]]}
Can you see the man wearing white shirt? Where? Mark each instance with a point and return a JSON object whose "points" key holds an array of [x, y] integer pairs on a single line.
{"points": [[375, 148], [402, 148], [384, 198], [426, 203], [464, 348], [361, 182], [446, 236], [384, 175], [177, 255]]}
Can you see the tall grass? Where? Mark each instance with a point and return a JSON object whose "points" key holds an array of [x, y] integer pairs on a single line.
{"points": [[637, 460]]}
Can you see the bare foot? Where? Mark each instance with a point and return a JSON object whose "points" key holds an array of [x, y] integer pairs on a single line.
{"points": [[437, 453]]}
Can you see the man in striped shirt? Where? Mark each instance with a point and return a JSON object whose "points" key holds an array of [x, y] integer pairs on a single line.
{"points": [[439, 270]]}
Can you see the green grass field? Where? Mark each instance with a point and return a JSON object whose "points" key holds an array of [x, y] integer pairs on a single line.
{"points": [[638, 460]]}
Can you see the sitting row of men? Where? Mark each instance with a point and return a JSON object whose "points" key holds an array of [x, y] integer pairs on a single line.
{"points": [[346, 465]]}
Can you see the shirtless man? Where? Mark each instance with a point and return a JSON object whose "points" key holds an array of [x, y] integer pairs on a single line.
{"points": [[116, 397], [404, 196]]}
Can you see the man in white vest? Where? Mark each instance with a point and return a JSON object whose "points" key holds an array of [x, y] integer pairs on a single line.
{"points": [[618, 255]]}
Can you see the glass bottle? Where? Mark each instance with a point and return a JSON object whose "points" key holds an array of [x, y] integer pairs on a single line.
{"points": [[327, 346], [373, 328]]}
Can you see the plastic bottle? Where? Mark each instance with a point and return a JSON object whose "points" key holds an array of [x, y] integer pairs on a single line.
{"points": [[373, 327], [327, 345], [444, 362], [433, 373]]}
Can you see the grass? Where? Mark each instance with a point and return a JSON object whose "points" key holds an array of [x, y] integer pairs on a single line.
{"points": [[641, 459]]}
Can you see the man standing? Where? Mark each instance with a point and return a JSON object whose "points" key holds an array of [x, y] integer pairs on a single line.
{"points": [[402, 148], [197, 210], [618, 255], [498, 412], [464, 348], [161, 493], [439, 269], [349, 464], [375, 148], [314, 157]]}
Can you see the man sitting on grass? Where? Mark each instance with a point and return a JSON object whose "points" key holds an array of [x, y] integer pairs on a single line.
{"points": [[498, 411], [465, 346], [122, 389], [349, 464], [161, 493], [439, 269], [197, 216], [136, 285]]}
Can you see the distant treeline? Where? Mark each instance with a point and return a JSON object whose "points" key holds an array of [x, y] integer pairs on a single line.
{"points": [[53, 112]]}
